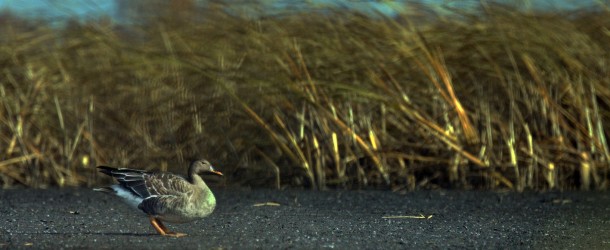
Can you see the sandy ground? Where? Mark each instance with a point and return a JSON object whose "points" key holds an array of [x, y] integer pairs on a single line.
{"points": [[298, 219]]}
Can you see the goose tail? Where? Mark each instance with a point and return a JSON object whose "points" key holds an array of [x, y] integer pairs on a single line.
{"points": [[107, 190]]}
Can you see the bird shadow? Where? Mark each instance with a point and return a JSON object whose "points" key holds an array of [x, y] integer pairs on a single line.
{"points": [[122, 234], [96, 233]]}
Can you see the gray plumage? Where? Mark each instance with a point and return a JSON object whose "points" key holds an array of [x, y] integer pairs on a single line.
{"points": [[165, 196]]}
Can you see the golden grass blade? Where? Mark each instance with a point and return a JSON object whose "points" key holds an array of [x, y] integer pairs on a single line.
{"points": [[267, 204], [336, 157], [11, 161], [275, 167], [366, 149], [421, 216]]}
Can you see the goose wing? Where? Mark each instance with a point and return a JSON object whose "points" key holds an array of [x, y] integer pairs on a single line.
{"points": [[145, 184], [160, 191], [169, 192], [169, 184], [132, 180]]}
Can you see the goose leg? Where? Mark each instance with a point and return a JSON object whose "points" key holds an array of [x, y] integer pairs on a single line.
{"points": [[162, 229], [155, 223], [169, 233]]}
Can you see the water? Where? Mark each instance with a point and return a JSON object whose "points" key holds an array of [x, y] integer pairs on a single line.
{"points": [[58, 10]]}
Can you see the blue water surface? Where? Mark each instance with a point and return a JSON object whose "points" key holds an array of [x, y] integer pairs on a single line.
{"points": [[58, 10]]}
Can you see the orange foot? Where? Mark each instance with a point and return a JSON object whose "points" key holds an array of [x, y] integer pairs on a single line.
{"points": [[174, 234], [162, 230]]}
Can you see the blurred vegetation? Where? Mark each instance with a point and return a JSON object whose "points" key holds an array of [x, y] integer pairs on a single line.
{"points": [[494, 98]]}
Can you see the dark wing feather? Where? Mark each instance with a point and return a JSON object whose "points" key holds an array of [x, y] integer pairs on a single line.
{"points": [[130, 179], [155, 205], [167, 184], [168, 190]]}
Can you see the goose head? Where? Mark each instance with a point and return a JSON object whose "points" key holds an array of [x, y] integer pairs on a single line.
{"points": [[202, 167]]}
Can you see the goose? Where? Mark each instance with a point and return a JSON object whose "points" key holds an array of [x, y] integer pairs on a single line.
{"points": [[165, 196]]}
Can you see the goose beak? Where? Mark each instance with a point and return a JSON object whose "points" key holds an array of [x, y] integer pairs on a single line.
{"points": [[214, 171]]}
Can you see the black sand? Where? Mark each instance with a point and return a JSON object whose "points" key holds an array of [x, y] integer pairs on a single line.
{"points": [[80, 218]]}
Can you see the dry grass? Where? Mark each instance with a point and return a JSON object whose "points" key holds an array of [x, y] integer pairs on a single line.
{"points": [[497, 99]]}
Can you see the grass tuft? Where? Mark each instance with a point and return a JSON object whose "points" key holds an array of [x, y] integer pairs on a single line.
{"points": [[495, 98]]}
